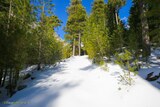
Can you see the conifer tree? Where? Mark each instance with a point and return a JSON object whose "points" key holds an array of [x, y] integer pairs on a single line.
{"points": [[21, 35], [115, 27], [135, 31], [115, 5], [154, 20], [139, 27], [95, 38], [75, 24], [44, 31], [145, 29], [16, 27]]}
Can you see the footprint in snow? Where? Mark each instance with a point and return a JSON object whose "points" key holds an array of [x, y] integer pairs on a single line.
{"points": [[55, 80]]}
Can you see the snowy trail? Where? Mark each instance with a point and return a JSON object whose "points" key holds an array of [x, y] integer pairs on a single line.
{"points": [[78, 83]]}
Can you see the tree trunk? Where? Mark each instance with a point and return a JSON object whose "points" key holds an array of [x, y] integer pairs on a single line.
{"points": [[9, 17], [79, 44], [39, 66], [39, 56], [40, 39], [145, 31], [10, 82], [16, 78], [74, 47], [116, 15], [1, 75], [4, 77]]}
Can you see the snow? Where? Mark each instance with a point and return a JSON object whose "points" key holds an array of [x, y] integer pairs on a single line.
{"points": [[28, 70], [78, 83], [153, 67]]}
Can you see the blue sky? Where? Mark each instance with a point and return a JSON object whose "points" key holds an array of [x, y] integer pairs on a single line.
{"points": [[61, 11]]}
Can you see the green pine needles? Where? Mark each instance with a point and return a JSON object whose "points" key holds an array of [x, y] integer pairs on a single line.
{"points": [[128, 64]]}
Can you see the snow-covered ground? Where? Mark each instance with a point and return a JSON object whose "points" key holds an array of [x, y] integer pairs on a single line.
{"points": [[79, 83]]}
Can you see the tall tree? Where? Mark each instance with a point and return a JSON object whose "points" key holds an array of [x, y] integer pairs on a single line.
{"points": [[135, 30], [75, 24], [95, 39], [154, 20], [44, 28], [16, 27], [114, 25], [144, 25], [115, 5], [25, 39], [145, 28]]}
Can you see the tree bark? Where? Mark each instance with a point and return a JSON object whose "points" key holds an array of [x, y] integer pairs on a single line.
{"points": [[1, 75], [9, 17], [74, 47], [40, 39], [39, 66], [116, 15], [79, 44], [39, 55], [4, 77], [10, 83], [145, 30], [16, 78]]}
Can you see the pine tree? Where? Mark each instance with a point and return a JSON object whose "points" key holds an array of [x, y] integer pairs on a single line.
{"points": [[139, 28], [15, 25], [21, 35], [115, 27], [95, 38], [135, 31], [44, 31], [75, 24], [117, 39], [154, 20], [124, 60], [115, 5], [145, 29]]}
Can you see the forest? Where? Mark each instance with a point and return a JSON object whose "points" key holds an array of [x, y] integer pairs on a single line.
{"points": [[28, 38], [104, 35]]}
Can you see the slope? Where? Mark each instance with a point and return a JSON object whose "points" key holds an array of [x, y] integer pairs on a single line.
{"points": [[78, 83]]}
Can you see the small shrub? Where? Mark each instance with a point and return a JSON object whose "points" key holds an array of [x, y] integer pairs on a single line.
{"points": [[101, 63], [98, 60], [128, 64]]}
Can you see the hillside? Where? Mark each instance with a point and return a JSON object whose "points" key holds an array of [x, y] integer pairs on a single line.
{"points": [[78, 83]]}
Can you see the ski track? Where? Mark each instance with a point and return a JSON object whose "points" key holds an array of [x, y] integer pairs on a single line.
{"points": [[78, 83]]}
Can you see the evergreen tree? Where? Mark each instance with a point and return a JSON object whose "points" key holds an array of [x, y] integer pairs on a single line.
{"points": [[124, 60], [139, 27], [95, 38], [75, 24], [145, 29], [135, 31], [15, 25], [44, 31], [114, 25], [117, 39], [154, 20], [115, 5], [26, 40]]}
